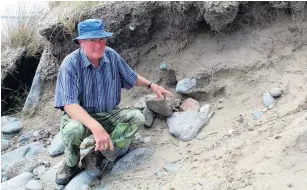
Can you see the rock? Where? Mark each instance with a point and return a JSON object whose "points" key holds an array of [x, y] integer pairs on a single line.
{"points": [[18, 182], [59, 187], [164, 67], [7, 119], [163, 107], [177, 103], [20, 166], [13, 126], [88, 142], [205, 110], [9, 136], [5, 144], [35, 93], [140, 104], [185, 86], [240, 119], [57, 146], [149, 117], [268, 99], [220, 106], [257, 114], [167, 78], [27, 151], [146, 139], [24, 138], [160, 174], [186, 125], [172, 168], [84, 178], [276, 92], [190, 105], [219, 14], [38, 171], [34, 185], [131, 160], [48, 178]]}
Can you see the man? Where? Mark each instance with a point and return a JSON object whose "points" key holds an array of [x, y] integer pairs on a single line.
{"points": [[88, 90]]}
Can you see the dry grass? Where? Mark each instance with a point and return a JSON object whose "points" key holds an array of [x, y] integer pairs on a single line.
{"points": [[69, 12], [21, 29]]}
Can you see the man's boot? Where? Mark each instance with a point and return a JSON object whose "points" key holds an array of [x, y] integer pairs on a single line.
{"points": [[65, 173]]}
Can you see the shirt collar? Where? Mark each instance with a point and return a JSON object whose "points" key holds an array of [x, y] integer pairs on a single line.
{"points": [[86, 62]]}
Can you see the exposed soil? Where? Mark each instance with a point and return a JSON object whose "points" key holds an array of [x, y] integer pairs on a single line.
{"points": [[233, 151]]}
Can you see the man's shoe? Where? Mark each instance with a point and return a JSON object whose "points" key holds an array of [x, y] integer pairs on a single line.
{"points": [[65, 174]]}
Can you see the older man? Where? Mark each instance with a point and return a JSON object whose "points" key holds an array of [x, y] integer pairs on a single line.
{"points": [[88, 90]]}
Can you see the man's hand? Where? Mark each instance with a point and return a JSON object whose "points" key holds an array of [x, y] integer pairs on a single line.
{"points": [[102, 139], [160, 91]]}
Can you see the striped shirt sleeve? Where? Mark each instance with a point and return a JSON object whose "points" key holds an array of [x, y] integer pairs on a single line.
{"points": [[128, 77], [66, 88]]}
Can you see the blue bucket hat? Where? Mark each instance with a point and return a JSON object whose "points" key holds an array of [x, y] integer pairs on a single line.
{"points": [[91, 29]]}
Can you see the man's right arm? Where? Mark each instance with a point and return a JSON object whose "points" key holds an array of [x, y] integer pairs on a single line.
{"points": [[102, 138]]}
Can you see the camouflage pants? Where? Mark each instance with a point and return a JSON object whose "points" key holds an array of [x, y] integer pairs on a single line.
{"points": [[121, 125]]}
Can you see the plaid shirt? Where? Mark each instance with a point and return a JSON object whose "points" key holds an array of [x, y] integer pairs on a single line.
{"points": [[95, 89]]}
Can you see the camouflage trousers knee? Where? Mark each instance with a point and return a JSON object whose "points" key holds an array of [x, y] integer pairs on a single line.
{"points": [[121, 125]]}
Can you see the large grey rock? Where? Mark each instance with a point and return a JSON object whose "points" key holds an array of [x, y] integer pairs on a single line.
{"points": [[163, 107], [7, 119], [149, 116], [34, 94], [186, 125], [218, 14], [268, 100], [20, 166], [57, 146], [27, 151], [12, 125], [84, 178], [17, 183], [131, 160], [34, 185], [186, 86]]}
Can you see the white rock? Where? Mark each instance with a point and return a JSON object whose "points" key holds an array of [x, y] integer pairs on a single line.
{"points": [[34, 185], [205, 110], [276, 92]]}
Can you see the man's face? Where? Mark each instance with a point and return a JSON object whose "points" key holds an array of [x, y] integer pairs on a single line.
{"points": [[94, 48]]}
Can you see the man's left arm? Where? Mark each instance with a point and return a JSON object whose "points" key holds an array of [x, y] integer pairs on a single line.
{"points": [[158, 90]]}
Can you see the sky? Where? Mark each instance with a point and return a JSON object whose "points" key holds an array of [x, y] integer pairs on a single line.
{"points": [[12, 6]]}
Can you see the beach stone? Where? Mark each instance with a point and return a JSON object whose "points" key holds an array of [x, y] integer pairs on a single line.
{"points": [[7, 119], [190, 105], [186, 125], [171, 167], [35, 92], [38, 171], [20, 166], [131, 160], [164, 67], [163, 107], [17, 183], [276, 92], [12, 127], [140, 104], [149, 117], [57, 146], [85, 177], [205, 110], [5, 144], [186, 85], [268, 100], [34, 185], [257, 114], [27, 151]]}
